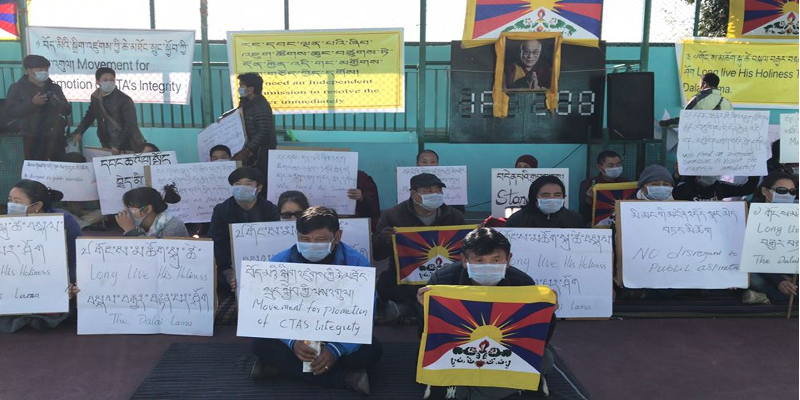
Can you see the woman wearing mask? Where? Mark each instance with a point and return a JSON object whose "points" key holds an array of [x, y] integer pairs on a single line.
{"points": [[291, 205], [655, 183], [777, 187], [545, 208], [117, 127], [32, 197], [146, 213]]}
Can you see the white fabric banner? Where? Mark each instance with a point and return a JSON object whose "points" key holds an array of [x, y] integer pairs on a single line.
{"points": [[75, 180], [201, 186]]}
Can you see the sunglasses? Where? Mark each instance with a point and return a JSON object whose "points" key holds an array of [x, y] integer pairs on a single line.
{"points": [[783, 190], [287, 215]]}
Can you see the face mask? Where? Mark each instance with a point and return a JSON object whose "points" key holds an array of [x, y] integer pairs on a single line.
{"points": [[550, 206], [242, 91], [107, 87], [432, 201], [776, 198], [243, 193], [41, 76], [17, 209], [614, 172], [659, 193], [314, 252], [137, 221], [706, 181], [486, 274]]}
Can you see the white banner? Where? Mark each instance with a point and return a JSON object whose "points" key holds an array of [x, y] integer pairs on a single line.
{"points": [[75, 180], [789, 139], [33, 265], [510, 186], [152, 66], [771, 241], [455, 177], [145, 286], [330, 303], [119, 174], [677, 244], [201, 186], [228, 131], [323, 176], [575, 263], [714, 142]]}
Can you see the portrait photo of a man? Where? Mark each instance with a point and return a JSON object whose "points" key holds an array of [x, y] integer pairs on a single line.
{"points": [[529, 65]]}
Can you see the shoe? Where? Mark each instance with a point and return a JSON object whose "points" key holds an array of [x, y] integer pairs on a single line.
{"points": [[753, 297], [358, 381], [439, 392], [263, 371], [543, 386]]}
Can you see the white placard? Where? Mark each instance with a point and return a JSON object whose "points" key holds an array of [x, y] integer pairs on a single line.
{"points": [[260, 241], [33, 265], [771, 239], [789, 139], [455, 177], [323, 176], [228, 131], [75, 180], [201, 186], [90, 153], [575, 263], [510, 186], [330, 303], [677, 244], [152, 66], [714, 142], [145, 286], [119, 174]]}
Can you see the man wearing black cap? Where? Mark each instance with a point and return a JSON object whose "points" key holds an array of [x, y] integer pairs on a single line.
{"points": [[39, 109], [425, 207]]}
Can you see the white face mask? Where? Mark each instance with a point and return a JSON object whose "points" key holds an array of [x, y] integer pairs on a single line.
{"points": [[17, 209], [614, 172], [314, 252], [776, 198], [550, 206], [431, 201], [486, 274], [659, 193], [41, 76], [107, 86], [242, 91]]}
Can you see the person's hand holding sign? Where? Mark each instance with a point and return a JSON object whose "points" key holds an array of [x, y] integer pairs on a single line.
{"points": [[324, 362]]}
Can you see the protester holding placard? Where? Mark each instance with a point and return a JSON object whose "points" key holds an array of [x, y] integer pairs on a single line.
{"points": [[427, 158], [333, 364], [220, 152], [526, 161], [258, 123], [150, 148], [609, 170], [425, 207], [291, 205], [244, 205], [117, 126], [146, 214], [40, 108], [655, 183], [545, 208], [774, 163], [365, 194]]}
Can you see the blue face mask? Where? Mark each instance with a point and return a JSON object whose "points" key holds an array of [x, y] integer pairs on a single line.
{"points": [[314, 252], [776, 198], [614, 172], [550, 206], [431, 201], [659, 193], [242, 91], [486, 274], [243, 193], [17, 209]]}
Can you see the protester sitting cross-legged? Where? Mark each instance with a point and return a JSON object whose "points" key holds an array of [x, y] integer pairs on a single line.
{"points": [[545, 208], [291, 205], [219, 152], [146, 213], [338, 365], [487, 256], [425, 207], [655, 183], [609, 167], [244, 206]]}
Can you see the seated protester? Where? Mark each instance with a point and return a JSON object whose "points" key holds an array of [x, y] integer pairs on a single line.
{"points": [[655, 183], [485, 250], [774, 163], [545, 208], [526, 161], [777, 187], [366, 196], [87, 213], [609, 167], [711, 188], [337, 365], [244, 206], [291, 205], [427, 158], [425, 207], [147, 214], [32, 197], [220, 152], [150, 148]]}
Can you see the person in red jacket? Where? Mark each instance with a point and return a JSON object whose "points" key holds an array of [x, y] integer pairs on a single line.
{"points": [[366, 196]]}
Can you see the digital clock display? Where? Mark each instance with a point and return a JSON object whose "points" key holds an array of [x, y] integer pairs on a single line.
{"points": [[581, 88]]}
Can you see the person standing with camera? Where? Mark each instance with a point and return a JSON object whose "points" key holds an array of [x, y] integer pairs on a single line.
{"points": [[38, 107]]}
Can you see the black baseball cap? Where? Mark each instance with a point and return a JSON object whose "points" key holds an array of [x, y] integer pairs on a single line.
{"points": [[425, 180]]}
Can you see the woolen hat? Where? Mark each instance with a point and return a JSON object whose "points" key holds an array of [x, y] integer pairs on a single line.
{"points": [[655, 173]]}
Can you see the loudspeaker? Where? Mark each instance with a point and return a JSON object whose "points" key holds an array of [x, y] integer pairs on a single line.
{"points": [[631, 105]]}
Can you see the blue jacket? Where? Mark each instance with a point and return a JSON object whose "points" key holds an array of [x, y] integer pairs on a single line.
{"points": [[342, 255]]}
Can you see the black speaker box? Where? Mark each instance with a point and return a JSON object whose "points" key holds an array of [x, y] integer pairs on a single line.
{"points": [[631, 104]]}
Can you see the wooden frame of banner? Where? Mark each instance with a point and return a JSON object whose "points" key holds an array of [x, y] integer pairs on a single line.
{"points": [[410, 229]]}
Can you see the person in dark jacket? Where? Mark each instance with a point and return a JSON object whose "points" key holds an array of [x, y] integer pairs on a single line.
{"points": [[244, 206], [259, 125], [487, 255], [545, 208], [117, 127], [366, 196], [425, 207], [710, 188], [609, 167], [40, 110], [339, 365]]}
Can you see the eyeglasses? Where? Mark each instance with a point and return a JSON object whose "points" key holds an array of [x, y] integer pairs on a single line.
{"points": [[783, 190], [287, 215]]}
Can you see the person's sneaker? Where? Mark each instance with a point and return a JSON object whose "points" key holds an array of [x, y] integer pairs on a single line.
{"points": [[543, 387], [358, 381], [753, 297], [439, 392], [263, 371]]}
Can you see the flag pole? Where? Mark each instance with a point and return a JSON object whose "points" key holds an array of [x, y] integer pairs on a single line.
{"points": [[791, 298]]}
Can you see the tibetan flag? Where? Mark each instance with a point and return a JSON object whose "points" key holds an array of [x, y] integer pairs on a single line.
{"points": [[8, 20], [605, 200], [578, 21], [766, 19], [420, 251], [484, 336]]}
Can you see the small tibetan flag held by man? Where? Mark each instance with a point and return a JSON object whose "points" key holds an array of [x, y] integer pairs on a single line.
{"points": [[605, 200], [420, 251], [485, 336], [8, 20]]}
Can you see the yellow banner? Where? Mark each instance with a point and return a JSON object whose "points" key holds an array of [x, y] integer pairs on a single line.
{"points": [[754, 73], [333, 71]]}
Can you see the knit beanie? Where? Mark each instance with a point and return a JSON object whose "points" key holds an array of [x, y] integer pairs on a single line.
{"points": [[655, 173]]}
